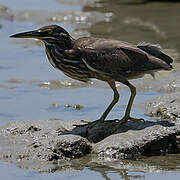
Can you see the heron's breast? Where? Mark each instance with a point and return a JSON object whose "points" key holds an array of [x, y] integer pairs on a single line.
{"points": [[50, 59]]}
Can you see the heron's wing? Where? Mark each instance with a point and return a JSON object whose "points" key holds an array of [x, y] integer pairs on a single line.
{"points": [[111, 56]]}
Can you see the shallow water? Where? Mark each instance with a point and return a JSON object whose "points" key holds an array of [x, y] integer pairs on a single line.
{"points": [[9, 171], [26, 75]]}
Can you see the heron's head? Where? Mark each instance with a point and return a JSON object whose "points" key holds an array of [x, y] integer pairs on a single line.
{"points": [[49, 34]]}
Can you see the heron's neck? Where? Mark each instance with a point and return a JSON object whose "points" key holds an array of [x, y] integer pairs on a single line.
{"points": [[61, 44]]}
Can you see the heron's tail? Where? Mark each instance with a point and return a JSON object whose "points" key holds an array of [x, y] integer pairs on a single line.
{"points": [[156, 51]]}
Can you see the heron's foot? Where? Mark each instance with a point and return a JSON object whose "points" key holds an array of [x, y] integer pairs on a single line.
{"points": [[125, 119], [136, 120], [89, 124], [82, 125], [94, 123]]}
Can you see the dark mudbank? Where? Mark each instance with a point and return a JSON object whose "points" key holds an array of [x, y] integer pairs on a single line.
{"points": [[51, 142]]}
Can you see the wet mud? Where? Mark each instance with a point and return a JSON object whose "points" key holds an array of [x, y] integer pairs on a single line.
{"points": [[45, 143]]}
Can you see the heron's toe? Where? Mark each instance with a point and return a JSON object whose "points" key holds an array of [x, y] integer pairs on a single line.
{"points": [[136, 119], [89, 124]]}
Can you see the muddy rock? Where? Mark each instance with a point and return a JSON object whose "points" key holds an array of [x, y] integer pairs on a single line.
{"points": [[41, 140], [59, 148], [52, 145], [48, 145], [135, 141], [165, 107]]}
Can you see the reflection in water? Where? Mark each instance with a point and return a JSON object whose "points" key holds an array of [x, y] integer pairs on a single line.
{"points": [[107, 171]]}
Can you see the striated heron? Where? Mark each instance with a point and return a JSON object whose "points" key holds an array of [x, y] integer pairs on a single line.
{"points": [[104, 59]]}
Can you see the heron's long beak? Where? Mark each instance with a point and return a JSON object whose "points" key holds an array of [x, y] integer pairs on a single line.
{"points": [[29, 34]]}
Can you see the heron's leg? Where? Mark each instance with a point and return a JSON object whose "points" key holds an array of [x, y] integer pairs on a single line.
{"points": [[109, 108], [114, 101], [129, 106]]}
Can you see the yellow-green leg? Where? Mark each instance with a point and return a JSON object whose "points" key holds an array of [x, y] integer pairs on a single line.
{"points": [[109, 108], [129, 106], [114, 101]]}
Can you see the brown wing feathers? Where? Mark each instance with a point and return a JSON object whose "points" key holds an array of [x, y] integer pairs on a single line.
{"points": [[112, 55]]}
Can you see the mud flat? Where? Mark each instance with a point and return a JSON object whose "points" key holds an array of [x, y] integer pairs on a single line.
{"points": [[50, 145]]}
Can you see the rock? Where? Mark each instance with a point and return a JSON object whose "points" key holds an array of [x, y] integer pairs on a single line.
{"points": [[59, 148], [94, 133], [165, 107], [50, 145], [145, 139], [41, 140]]}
